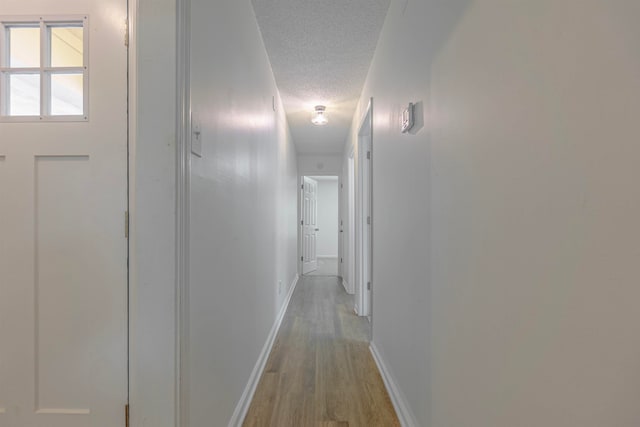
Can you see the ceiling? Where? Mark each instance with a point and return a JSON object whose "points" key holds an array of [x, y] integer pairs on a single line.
{"points": [[320, 52]]}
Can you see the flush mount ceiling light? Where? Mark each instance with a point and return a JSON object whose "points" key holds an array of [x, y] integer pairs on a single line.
{"points": [[319, 119]]}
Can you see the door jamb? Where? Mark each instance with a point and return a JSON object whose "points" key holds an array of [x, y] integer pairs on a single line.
{"points": [[351, 220], [365, 130], [299, 223], [132, 126], [183, 185]]}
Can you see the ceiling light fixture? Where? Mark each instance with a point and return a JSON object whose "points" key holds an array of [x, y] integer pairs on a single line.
{"points": [[320, 119]]}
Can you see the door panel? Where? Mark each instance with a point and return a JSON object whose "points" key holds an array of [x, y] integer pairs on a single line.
{"points": [[310, 225], [63, 252], [62, 281]]}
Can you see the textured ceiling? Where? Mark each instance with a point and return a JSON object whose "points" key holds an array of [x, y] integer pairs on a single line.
{"points": [[320, 52]]}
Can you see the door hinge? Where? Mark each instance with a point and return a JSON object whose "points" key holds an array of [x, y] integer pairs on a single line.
{"points": [[126, 415], [368, 154], [126, 224], [302, 222], [340, 260], [368, 220], [302, 186], [301, 258], [368, 286], [126, 32]]}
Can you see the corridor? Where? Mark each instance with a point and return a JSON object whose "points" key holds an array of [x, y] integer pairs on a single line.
{"points": [[161, 254], [320, 371]]}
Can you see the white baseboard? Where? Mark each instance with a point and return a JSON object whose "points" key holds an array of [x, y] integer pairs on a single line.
{"points": [[327, 256], [347, 287], [247, 395], [406, 417]]}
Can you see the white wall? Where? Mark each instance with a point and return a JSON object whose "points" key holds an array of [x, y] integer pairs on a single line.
{"points": [[243, 207], [152, 214], [319, 164], [515, 203], [327, 237]]}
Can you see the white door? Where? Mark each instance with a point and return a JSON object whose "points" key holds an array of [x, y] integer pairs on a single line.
{"points": [[63, 197], [309, 225]]}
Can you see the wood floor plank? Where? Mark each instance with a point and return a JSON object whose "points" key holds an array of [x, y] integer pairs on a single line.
{"points": [[320, 372]]}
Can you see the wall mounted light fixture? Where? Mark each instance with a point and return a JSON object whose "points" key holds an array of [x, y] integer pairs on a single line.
{"points": [[319, 119]]}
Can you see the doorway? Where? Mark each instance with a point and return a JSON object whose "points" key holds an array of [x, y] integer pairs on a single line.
{"points": [[359, 216], [320, 225]]}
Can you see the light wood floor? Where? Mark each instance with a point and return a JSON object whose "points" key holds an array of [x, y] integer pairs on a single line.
{"points": [[320, 372]]}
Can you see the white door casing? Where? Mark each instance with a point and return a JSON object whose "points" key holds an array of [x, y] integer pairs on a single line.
{"points": [[63, 251], [351, 221], [364, 218], [367, 222], [309, 225], [341, 242]]}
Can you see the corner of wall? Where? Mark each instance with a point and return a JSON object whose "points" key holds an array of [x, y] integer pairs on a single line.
{"points": [[400, 404]]}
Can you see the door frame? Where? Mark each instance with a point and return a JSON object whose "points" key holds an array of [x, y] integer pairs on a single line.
{"points": [[141, 399], [364, 209], [350, 252], [300, 192], [183, 212]]}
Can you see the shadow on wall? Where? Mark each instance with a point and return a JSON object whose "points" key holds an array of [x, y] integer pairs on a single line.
{"points": [[418, 118], [436, 21], [442, 17]]}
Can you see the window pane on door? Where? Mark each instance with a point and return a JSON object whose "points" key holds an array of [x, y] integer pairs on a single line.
{"points": [[67, 46], [24, 47], [24, 94], [67, 97]]}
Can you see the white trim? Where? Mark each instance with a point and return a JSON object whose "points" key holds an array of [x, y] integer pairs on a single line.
{"points": [[132, 135], [247, 395], [340, 222], [351, 220], [347, 287], [300, 185], [363, 229], [326, 256], [183, 184], [406, 417]]}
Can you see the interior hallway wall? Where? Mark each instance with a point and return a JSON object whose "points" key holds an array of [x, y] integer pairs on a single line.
{"points": [[152, 215], [243, 207], [319, 164], [515, 201]]}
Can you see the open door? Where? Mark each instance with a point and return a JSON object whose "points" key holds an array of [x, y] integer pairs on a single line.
{"points": [[309, 225], [63, 243]]}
